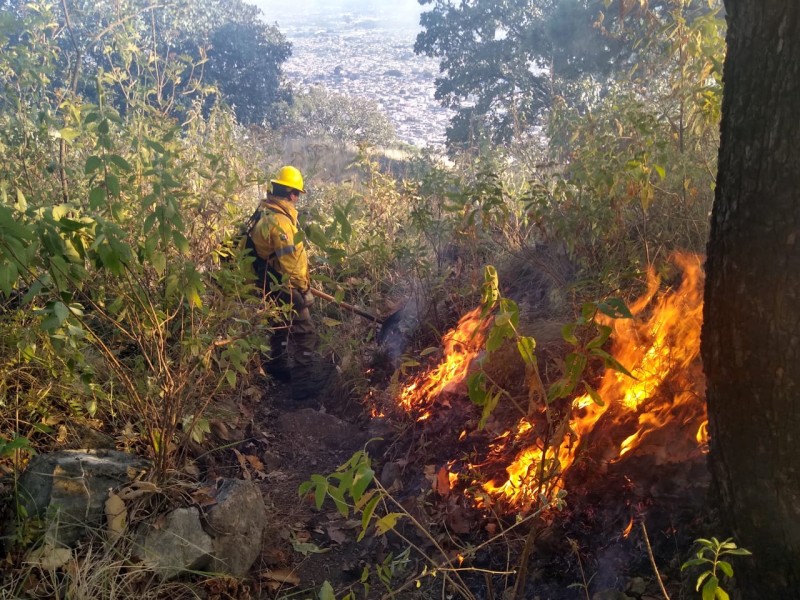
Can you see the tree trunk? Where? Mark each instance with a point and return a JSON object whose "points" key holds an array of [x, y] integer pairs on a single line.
{"points": [[751, 332]]}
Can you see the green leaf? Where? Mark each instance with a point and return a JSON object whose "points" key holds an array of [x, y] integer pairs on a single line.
{"points": [[693, 563], [568, 333], [386, 523], [326, 592], [476, 388], [337, 496], [180, 242], [321, 489], [68, 134], [149, 222], [366, 516], [496, 337], [93, 163], [488, 408], [8, 277], [721, 594], [315, 235], [16, 443], [526, 347], [123, 164], [615, 308], [600, 338], [703, 576], [710, 588], [594, 395], [97, 198], [575, 364], [230, 377], [112, 184], [725, 567], [61, 311], [363, 477], [159, 262], [610, 361]]}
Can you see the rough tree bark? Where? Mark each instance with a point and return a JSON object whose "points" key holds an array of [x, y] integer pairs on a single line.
{"points": [[751, 332]]}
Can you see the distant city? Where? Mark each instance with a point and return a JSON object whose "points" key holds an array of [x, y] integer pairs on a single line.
{"points": [[361, 49]]}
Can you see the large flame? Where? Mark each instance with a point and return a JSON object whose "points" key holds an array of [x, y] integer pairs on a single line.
{"points": [[656, 350], [667, 388]]}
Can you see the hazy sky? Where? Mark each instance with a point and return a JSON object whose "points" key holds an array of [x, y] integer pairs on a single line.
{"points": [[405, 11]]}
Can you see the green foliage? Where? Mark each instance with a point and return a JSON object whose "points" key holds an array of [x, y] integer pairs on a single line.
{"points": [[183, 52], [710, 555], [107, 252], [244, 62], [492, 56], [348, 488], [638, 152], [503, 63], [326, 117], [586, 335], [10, 447]]}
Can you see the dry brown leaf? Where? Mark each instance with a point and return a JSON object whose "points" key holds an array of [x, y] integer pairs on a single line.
{"points": [[205, 496], [253, 392], [137, 489], [282, 576], [243, 464], [336, 535], [219, 429], [255, 462], [430, 472], [116, 516], [48, 557], [442, 483], [192, 469], [458, 520]]}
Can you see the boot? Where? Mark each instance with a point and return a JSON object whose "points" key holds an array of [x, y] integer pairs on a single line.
{"points": [[277, 363], [310, 382], [278, 369]]}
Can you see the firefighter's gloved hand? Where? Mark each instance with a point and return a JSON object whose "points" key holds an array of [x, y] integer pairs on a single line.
{"points": [[308, 297], [301, 300]]}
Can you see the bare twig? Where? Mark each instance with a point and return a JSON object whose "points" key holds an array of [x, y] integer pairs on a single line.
{"points": [[653, 562]]}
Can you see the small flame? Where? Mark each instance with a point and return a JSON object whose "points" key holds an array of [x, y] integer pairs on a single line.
{"points": [[461, 345], [627, 531]]}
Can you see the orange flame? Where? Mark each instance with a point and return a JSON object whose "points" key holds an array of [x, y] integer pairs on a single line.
{"points": [[627, 531], [659, 349], [667, 387], [461, 345]]}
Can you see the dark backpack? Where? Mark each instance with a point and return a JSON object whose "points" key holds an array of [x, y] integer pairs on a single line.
{"points": [[268, 278]]}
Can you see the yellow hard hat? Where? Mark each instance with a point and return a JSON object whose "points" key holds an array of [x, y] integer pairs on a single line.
{"points": [[290, 177]]}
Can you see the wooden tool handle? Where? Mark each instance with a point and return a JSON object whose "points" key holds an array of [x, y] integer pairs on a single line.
{"points": [[350, 307]]}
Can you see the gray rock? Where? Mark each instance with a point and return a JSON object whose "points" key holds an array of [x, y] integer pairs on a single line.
{"points": [[390, 473], [177, 545], [637, 586], [69, 488], [236, 523]]}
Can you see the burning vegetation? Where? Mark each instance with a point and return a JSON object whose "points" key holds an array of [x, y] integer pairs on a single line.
{"points": [[657, 410]]}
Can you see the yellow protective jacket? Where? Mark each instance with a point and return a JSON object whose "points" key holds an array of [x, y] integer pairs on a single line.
{"points": [[275, 239]]}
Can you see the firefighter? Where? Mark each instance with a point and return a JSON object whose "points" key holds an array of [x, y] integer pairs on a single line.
{"points": [[282, 273]]}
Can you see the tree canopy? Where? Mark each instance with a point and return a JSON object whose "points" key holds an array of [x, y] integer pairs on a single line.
{"points": [[214, 49], [503, 63]]}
